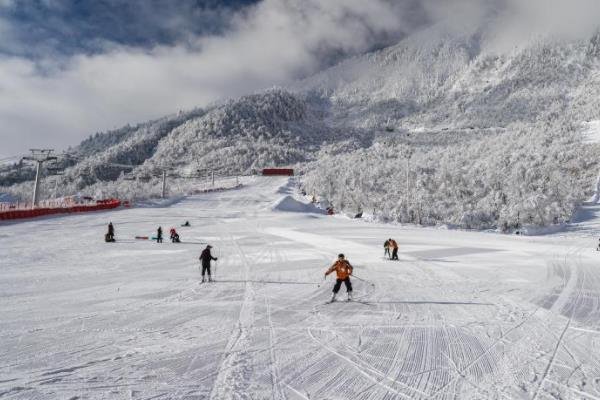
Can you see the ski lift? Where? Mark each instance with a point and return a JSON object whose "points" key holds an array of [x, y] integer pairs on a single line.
{"points": [[54, 169]]}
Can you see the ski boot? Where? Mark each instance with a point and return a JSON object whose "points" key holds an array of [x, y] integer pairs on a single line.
{"points": [[210, 279], [332, 298], [203, 280], [349, 296]]}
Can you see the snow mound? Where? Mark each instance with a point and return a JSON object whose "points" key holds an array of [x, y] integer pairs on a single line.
{"points": [[290, 204]]}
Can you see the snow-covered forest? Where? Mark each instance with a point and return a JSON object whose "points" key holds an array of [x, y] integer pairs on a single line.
{"points": [[528, 174]]}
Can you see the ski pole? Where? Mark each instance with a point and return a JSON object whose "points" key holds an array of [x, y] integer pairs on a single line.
{"points": [[324, 279], [364, 280], [218, 256]]}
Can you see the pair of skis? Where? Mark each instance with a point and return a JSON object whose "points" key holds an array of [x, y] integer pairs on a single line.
{"points": [[348, 301], [338, 301], [351, 300]]}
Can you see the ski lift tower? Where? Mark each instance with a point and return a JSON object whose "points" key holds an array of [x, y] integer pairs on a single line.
{"points": [[38, 156]]}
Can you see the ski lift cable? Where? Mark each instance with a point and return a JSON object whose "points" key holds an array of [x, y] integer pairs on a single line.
{"points": [[73, 157], [10, 158]]}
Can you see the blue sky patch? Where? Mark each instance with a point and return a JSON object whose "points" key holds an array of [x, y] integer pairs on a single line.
{"points": [[42, 28]]}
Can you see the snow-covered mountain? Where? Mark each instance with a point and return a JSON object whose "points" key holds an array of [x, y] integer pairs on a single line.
{"points": [[475, 117], [238, 137], [493, 136], [440, 77]]}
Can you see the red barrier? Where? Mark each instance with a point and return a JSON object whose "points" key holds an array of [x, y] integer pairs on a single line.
{"points": [[38, 212], [278, 171]]}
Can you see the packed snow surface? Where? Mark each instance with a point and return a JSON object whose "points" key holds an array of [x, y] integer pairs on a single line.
{"points": [[462, 315], [591, 131]]}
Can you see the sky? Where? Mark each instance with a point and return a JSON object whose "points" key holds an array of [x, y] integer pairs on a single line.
{"points": [[71, 68]]}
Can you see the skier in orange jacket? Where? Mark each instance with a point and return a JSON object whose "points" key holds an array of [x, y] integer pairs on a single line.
{"points": [[343, 270]]}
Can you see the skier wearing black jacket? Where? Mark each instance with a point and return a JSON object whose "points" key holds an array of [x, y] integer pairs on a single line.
{"points": [[206, 257], [111, 230], [159, 235], [110, 236]]}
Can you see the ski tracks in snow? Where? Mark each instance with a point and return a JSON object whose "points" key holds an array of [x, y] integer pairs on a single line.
{"points": [[234, 370], [570, 355], [438, 327]]}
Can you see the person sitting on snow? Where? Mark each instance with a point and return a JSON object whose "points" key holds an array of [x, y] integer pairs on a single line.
{"points": [[343, 270], [174, 236]]}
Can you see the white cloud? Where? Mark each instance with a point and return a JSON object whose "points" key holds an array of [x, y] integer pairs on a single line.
{"points": [[573, 18]]}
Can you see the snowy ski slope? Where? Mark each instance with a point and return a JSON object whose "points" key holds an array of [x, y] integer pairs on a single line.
{"points": [[462, 315]]}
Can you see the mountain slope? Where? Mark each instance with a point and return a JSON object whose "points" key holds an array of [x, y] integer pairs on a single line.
{"points": [[443, 77], [471, 115], [493, 137], [268, 129], [273, 128]]}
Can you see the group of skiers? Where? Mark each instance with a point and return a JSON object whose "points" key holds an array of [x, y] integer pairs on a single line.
{"points": [[344, 269], [173, 235], [390, 247], [341, 266], [205, 257]]}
